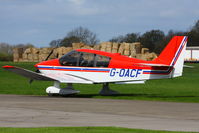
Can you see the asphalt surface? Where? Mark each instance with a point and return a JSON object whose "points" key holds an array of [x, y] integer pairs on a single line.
{"points": [[43, 111]]}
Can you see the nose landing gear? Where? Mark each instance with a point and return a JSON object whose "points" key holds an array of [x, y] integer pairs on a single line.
{"points": [[56, 90]]}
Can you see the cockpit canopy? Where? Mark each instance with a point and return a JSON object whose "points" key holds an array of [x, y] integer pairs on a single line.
{"points": [[84, 59]]}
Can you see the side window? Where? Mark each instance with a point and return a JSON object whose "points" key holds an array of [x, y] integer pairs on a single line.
{"points": [[102, 61], [69, 59], [86, 59]]}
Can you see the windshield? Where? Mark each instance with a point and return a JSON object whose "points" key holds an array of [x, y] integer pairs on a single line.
{"points": [[69, 59], [84, 59]]}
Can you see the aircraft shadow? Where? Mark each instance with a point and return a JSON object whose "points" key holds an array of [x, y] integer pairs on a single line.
{"points": [[126, 95]]}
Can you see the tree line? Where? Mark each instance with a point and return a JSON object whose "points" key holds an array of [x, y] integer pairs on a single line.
{"points": [[6, 50], [155, 40]]}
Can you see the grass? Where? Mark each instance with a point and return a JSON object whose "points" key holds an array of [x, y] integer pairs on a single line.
{"points": [[181, 89], [81, 130]]}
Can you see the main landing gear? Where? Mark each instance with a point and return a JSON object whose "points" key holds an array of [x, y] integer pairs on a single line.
{"points": [[69, 90], [106, 91]]}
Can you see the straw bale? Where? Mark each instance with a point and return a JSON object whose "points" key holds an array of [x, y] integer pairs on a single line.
{"points": [[97, 47], [59, 50], [114, 50], [108, 45], [115, 45], [121, 48], [15, 60], [121, 51], [60, 55], [66, 50], [126, 46], [35, 56], [154, 55], [35, 50], [77, 45], [42, 57], [108, 49], [144, 50], [25, 60], [150, 56], [15, 55], [28, 51], [105, 44], [133, 53], [126, 52], [20, 60], [30, 57], [15, 50], [86, 47], [137, 47], [20, 52], [132, 46], [25, 56], [103, 49], [141, 56], [55, 53], [45, 50], [52, 56], [36, 60]]}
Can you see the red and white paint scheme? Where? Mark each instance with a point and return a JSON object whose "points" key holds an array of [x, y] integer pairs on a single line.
{"points": [[92, 66]]}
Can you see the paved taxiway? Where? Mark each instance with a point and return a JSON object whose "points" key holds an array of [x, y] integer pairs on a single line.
{"points": [[43, 111]]}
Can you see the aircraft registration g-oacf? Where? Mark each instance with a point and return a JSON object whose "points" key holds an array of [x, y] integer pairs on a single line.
{"points": [[97, 67]]}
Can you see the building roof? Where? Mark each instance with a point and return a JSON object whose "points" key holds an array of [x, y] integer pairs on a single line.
{"points": [[193, 48]]}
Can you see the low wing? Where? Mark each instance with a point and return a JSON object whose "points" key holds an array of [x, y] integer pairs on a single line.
{"points": [[61, 77], [68, 78], [28, 74]]}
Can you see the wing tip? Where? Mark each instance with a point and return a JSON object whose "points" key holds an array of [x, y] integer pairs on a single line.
{"points": [[7, 67]]}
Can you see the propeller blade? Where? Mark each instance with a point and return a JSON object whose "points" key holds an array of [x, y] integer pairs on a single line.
{"points": [[31, 80], [49, 54]]}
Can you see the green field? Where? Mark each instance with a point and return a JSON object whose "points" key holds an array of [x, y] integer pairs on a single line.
{"points": [[182, 89], [80, 130]]}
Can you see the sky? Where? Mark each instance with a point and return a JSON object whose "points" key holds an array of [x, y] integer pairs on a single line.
{"points": [[41, 21]]}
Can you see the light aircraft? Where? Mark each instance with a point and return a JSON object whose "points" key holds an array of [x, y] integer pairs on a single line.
{"points": [[88, 66]]}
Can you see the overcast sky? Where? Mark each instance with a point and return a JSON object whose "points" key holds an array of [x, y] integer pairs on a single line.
{"points": [[40, 21]]}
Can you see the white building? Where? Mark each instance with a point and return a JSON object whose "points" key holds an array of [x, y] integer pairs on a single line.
{"points": [[192, 54]]}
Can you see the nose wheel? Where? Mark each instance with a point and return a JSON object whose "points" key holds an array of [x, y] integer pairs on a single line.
{"points": [[56, 90]]}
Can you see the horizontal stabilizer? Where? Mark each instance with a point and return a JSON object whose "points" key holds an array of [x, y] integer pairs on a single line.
{"points": [[188, 66], [27, 73], [155, 65]]}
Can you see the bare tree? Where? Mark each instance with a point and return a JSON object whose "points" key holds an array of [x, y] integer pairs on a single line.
{"points": [[6, 48], [83, 35], [67, 41], [129, 38], [27, 45], [117, 39], [55, 43]]}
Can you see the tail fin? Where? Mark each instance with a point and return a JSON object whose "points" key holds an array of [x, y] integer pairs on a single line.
{"points": [[173, 54]]}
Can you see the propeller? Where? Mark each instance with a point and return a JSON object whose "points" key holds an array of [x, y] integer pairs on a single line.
{"points": [[37, 70]]}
